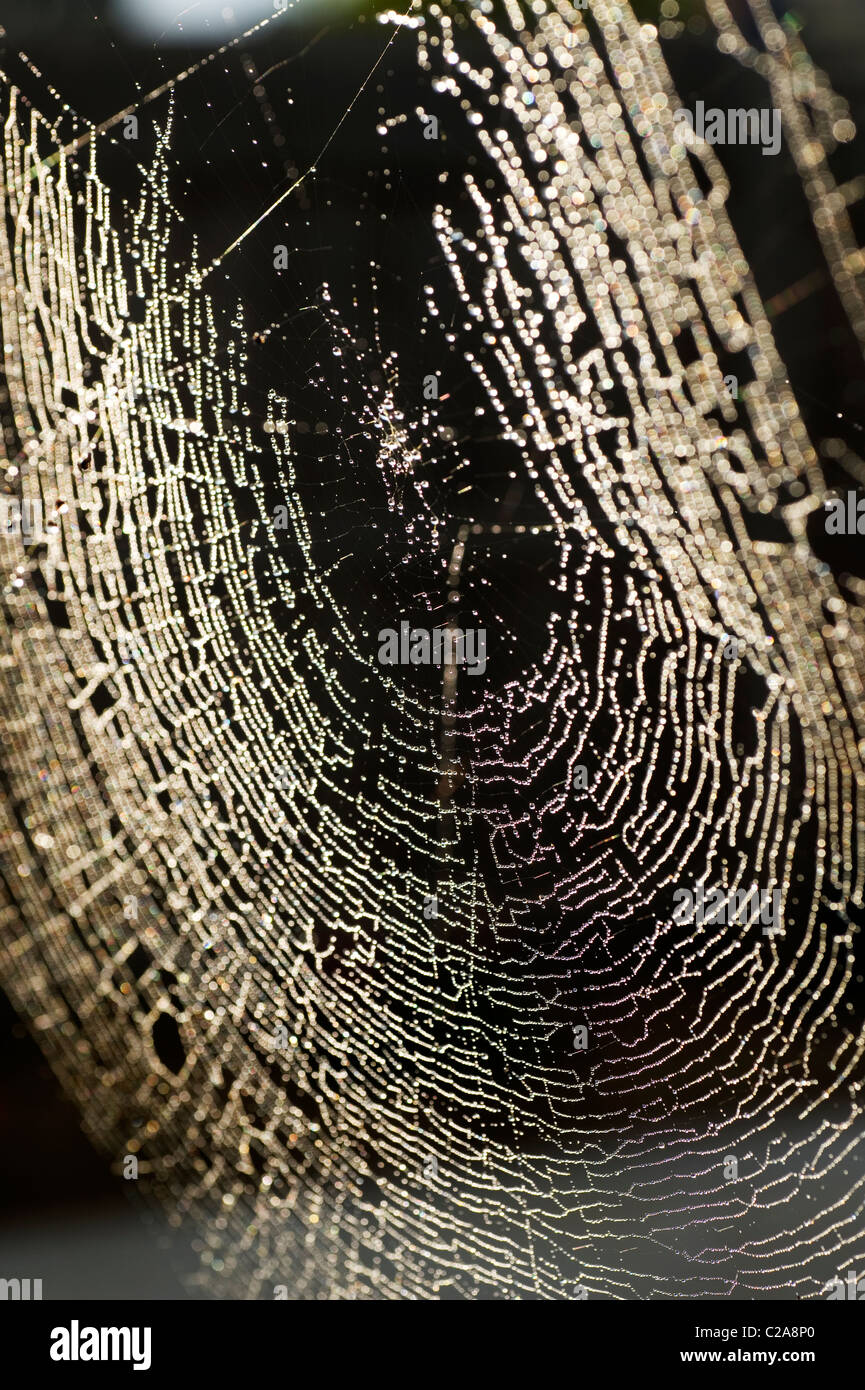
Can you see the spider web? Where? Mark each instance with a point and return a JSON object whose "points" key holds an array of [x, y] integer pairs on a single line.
{"points": [[227, 824]]}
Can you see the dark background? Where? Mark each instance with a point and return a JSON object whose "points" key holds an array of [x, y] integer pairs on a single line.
{"points": [[363, 225]]}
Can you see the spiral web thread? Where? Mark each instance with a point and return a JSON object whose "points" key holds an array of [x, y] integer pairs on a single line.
{"points": [[180, 690]]}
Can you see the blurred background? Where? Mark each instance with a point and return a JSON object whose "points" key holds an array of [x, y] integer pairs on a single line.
{"points": [[245, 125]]}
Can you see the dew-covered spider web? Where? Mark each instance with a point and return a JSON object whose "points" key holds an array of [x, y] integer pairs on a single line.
{"points": [[313, 938]]}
